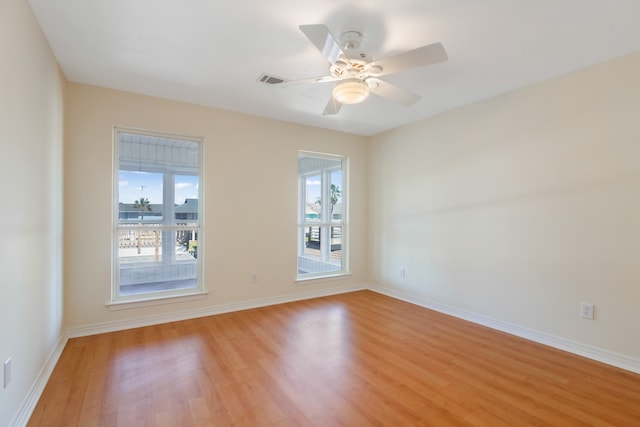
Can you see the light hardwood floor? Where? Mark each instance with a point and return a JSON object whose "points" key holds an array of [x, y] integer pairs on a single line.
{"points": [[355, 359]]}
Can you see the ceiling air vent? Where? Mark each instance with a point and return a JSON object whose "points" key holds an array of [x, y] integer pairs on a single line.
{"points": [[270, 80]]}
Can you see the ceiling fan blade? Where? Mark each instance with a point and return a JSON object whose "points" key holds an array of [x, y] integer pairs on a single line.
{"points": [[420, 57], [322, 39], [391, 92], [323, 79], [333, 106]]}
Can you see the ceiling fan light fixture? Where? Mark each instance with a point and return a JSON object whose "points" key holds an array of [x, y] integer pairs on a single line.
{"points": [[351, 91]]}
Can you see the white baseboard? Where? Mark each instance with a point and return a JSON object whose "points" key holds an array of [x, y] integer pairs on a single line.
{"points": [[118, 325], [31, 400], [604, 356]]}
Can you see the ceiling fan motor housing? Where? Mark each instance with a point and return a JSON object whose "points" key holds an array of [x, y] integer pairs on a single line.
{"points": [[347, 68]]}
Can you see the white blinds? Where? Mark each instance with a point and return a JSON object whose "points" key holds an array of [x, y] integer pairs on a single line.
{"points": [[308, 165], [148, 153]]}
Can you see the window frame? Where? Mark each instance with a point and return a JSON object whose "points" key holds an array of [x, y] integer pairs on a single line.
{"points": [[326, 220], [139, 299]]}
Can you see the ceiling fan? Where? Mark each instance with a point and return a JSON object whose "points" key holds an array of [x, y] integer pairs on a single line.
{"points": [[356, 74]]}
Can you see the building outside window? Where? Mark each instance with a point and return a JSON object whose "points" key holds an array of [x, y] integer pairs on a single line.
{"points": [[322, 215], [158, 245]]}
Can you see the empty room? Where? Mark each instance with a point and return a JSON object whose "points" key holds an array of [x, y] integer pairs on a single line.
{"points": [[320, 214]]}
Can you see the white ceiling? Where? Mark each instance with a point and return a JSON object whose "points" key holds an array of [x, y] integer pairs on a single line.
{"points": [[212, 52]]}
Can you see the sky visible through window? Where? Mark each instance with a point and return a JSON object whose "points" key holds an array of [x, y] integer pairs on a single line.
{"points": [[314, 185], [133, 185], [313, 189]]}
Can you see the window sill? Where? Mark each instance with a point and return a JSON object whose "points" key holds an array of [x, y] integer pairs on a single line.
{"points": [[148, 302], [324, 278]]}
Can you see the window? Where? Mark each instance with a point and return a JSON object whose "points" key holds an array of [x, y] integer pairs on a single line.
{"points": [[157, 235], [322, 215]]}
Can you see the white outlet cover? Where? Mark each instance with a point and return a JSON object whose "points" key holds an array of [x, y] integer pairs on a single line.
{"points": [[586, 311]]}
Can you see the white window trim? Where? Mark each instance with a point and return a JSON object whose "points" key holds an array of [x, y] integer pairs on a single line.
{"points": [[326, 226], [153, 298], [308, 279]]}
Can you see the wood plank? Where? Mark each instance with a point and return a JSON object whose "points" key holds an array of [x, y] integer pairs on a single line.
{"points": [[353, 359]]}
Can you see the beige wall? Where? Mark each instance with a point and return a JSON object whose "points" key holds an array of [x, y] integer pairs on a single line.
{"points": [[250, 187], [31, 134], [520, 207]]}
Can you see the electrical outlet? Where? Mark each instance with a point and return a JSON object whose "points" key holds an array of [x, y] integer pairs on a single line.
{"points": [[7, 372], [586, 311], [254, 278], [402, 272]]}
